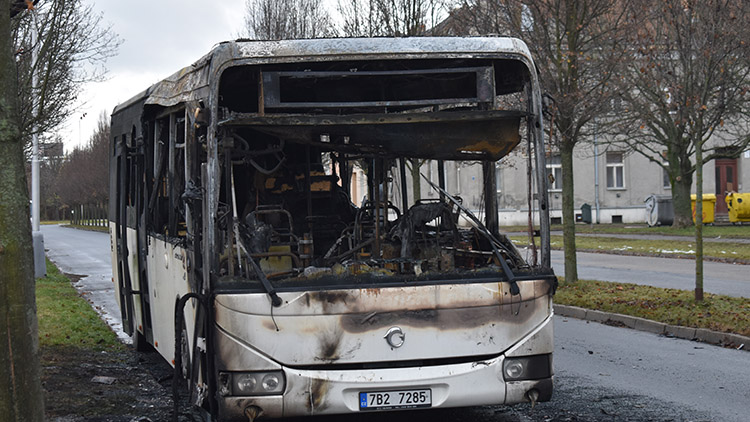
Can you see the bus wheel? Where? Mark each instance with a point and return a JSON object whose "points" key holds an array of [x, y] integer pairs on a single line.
{"points": [[185, 352]]}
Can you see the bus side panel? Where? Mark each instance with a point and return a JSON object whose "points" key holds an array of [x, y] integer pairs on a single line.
{"points": [[118, 212], [133, 270], [167, 271], [115, 267]]}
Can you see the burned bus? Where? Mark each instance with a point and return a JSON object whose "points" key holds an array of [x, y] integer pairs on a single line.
{"points": [[245, 253]]}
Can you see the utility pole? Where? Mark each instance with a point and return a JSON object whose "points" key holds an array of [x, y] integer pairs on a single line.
{"points": [[40, 266], [596, 172]]}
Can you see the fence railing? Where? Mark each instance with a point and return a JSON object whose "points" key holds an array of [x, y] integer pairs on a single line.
{"points": [[89, 215]]}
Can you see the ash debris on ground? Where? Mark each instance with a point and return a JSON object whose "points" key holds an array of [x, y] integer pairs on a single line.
{"points": [[141, 392], [580, 400], [106, 386]]}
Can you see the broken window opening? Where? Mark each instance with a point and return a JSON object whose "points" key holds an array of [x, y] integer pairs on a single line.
{"points": [[330, 239], [165, 175], [315, 164], [388, 86]]}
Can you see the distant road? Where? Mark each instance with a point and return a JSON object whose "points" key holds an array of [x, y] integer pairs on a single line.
{"points": [[673, 273]]}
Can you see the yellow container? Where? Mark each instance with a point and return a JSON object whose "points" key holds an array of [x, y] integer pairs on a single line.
{"points": [[739, 207], [709, 207]]}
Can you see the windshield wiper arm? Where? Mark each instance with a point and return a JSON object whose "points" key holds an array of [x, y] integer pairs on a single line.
{"points": [[514, 290], [275, 299]]}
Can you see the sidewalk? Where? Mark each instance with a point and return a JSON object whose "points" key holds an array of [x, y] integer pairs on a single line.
{"points": [[703, 335]]}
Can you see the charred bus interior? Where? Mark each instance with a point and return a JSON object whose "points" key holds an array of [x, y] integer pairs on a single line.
{"points": [[291, 136]]}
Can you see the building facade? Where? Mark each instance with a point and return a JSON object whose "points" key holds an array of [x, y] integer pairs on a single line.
{"points": [[614, 183]]}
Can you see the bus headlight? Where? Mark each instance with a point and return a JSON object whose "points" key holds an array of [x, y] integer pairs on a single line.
{"points": [[527, 368], [246, 383], [255, 383], [270, 382], [514, 369]]}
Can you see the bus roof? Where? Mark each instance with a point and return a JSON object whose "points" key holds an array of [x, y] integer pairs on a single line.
{"points": [[192, 82]]}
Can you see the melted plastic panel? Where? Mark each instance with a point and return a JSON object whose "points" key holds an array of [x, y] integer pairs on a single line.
{"points": [[448, 135]]}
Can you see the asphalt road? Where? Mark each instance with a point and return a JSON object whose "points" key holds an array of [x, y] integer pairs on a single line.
{"points": [[674, 273], [705, 378], [602, 372]]}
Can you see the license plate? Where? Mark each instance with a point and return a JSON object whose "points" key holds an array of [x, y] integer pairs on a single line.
{"points": [[396, 399]]}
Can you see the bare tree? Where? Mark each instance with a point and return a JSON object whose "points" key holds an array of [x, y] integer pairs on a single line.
{"points": [[76, 187], [359, 18], [21, 395], [577, 46], [49, 168], [393, 18], [687, 87], [286, 19], [74, 45], [686, 95]]}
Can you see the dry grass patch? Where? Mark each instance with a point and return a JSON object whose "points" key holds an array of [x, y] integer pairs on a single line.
{"points": [[67, 319], [670, 306]]}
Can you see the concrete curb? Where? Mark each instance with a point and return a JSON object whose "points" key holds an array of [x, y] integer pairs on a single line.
{"points": [[734, 341]]}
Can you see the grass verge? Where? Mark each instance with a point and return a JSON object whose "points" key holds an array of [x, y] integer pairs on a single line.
{"points": [[715, 250], [66, 319], [104, 229], [670, 306], [735, 232], [77, 347]]}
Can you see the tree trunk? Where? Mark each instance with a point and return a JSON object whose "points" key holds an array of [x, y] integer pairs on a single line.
{"points": [[683, 214], [699, 222], [21, 395], [568, 213]]}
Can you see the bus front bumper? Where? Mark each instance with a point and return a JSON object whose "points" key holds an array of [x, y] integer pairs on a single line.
{"points": [[316, 392], [479, 383]]}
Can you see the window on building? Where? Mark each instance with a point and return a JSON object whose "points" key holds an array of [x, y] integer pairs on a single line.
{"points": [[664, 173], [615, 170], [554, 165]]}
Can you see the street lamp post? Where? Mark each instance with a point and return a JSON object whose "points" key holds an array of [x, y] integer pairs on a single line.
{"points": [[40, 266]]}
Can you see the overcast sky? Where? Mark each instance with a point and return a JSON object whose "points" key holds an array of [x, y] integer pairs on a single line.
{"points": [[159, 37]]}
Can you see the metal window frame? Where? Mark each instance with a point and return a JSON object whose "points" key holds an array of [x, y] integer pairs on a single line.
{"points": [[270, 87]]}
